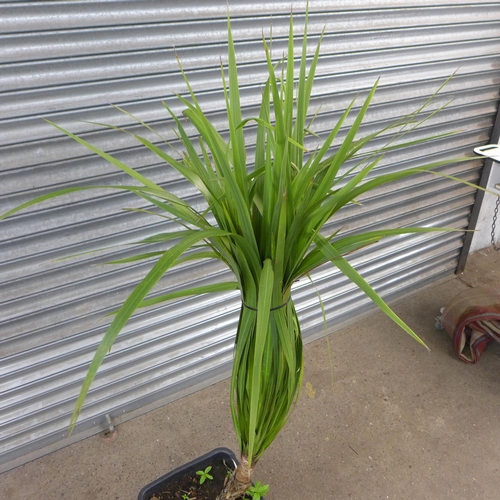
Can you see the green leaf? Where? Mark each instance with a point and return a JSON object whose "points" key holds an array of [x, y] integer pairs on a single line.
{"points": [[54, 194], [216, 287], [263, 312], [135, 258], [337, 260], [117, 163], [234, 117], [131, 304]]}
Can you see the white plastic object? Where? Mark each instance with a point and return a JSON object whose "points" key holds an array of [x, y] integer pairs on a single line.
{"points": [[490, 151]]}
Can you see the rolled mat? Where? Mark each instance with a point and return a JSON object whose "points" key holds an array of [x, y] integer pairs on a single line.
{"points": [[472, 319]]}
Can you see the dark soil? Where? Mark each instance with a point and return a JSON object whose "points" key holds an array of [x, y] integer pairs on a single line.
{"points": [[189, 484]]}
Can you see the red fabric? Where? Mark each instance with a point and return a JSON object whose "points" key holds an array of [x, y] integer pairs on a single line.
{"points": [[472, 320]]}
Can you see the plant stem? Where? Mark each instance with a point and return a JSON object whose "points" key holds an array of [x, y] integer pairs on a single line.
{"points": [[238, 483]]}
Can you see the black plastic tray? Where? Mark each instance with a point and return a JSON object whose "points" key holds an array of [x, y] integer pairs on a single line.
{"points": [[200, 463]]}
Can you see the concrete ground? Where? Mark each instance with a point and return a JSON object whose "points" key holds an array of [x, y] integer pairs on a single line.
{"points": [[397, 422]]}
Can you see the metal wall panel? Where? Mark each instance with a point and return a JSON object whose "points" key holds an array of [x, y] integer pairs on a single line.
{"points": [[67, 61]]}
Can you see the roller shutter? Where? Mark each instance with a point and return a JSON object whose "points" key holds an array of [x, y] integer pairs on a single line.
{"points": [[68, 60]]}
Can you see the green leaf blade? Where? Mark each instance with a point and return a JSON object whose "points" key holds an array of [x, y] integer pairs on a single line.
{"points": [[336, 258], [130, 305]]}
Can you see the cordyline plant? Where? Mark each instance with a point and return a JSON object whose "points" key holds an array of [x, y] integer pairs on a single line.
{"points": [[268, 231]]}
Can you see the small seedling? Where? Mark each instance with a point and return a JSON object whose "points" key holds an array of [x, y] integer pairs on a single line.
{"points": [[204, 474], [185, 497], [229, 472], [258, 490]]}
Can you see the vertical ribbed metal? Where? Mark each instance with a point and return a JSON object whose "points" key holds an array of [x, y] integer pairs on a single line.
{"points": [[68, 61]]}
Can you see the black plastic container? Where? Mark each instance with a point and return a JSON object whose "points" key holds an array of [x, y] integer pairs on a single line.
{"points": [[198, 464]]}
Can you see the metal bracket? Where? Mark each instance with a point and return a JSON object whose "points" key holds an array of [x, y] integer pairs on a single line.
{"points": [[491, 151]]}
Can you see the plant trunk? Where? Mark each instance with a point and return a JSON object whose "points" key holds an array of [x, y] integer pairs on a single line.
{"points": [[238, 483]]}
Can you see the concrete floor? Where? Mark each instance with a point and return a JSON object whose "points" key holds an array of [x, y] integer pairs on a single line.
{"points": [[396, 423]]}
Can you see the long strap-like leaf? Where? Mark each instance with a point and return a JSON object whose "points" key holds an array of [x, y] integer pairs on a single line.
{"points": [[117, 163], [263, 312], [131, 304], [337, 260]]}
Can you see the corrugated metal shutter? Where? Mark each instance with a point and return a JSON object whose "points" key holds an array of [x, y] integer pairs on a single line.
{"points": [[66, 61]]}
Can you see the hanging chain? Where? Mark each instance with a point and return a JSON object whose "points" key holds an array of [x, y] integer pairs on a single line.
{"points": [[494, 224]]}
